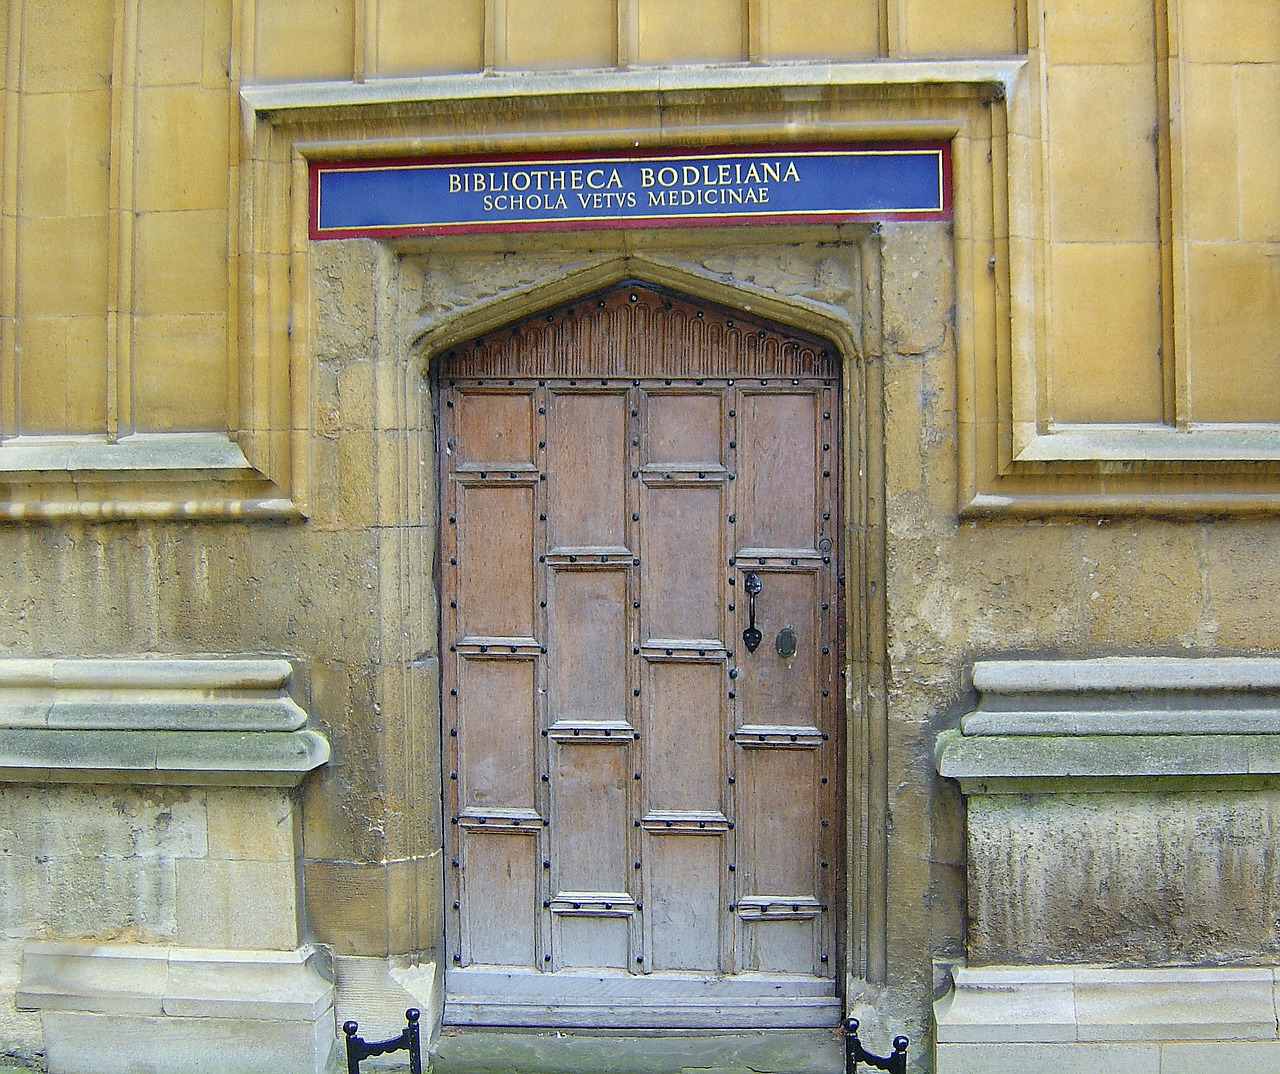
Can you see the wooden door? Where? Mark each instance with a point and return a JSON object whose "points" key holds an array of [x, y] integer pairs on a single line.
{"points": [[642, 813]]}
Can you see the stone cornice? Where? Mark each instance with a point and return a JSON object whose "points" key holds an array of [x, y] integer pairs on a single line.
{"points": [[223, 721], [1101, 724]]}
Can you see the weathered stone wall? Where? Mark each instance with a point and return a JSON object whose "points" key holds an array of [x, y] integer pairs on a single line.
{"points": [[1180, 878]]}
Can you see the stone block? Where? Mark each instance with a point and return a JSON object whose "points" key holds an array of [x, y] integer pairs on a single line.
{"points": [[1182, 1003], [181, 369], [938, 28], [1127, 878], [180, 266], [74, 1044], [302, 40], [107, 979], [292, 986], [53, 349], [561, 35], [43, 134], [672, 31], [245, 825], [1102, 179], [1059, 1058], [184, 135], [66, 48], [820, 29], [1258, 134], [210, 898], [1230, 31], [1188, 1058], [63, 265], [447, 36], [1210, 158], [347, 906], [1106, 334], [1099, 31], [377, 992], [1026, 1004], [171, 43], [1233, 341]]}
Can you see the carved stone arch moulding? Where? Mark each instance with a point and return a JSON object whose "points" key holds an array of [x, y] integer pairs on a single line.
{"points": [[788, 322]]}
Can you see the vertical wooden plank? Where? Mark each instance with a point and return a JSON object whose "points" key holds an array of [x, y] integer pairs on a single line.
{"points": [[589, 836], [778, 845]]}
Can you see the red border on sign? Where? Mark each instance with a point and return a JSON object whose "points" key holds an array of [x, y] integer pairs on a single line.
{"points": [[316, 167]]}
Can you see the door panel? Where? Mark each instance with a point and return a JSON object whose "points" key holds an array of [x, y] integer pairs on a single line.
{"points": [[684, 725], [495, 583], [497, 709], [587, 631], [643, 814], [680, 578], [586, 435], [499, 885], [778, 452]]}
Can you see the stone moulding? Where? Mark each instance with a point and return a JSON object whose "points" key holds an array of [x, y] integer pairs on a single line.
{"points": [[220, 721], [993, 1005], [1095, 722], [180, 1007]]}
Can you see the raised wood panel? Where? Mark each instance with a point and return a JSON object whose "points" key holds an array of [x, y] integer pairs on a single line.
{"points": [[494, 428], [684, 732], [587, 634], [777, 689], [587, 487], [499, 885], [591, 822], [684, 429], [495, 706], [681, 582], [495, 550], [779, 807], [686, 902], [778, 452]]}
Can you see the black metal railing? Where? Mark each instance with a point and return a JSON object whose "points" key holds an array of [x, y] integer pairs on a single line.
{"points": [[359, 1049], [855, 1053]]}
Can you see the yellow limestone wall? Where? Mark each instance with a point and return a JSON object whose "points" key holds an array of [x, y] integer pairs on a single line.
{"points": [[1154, 206]]}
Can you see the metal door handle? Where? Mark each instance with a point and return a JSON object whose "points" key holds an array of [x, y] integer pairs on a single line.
{"points": [[751, 637]]}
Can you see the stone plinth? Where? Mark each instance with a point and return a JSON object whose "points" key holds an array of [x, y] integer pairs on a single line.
{"points": [[151, 888], [1121, 812]]}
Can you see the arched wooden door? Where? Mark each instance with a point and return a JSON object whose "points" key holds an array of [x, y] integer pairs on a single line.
{"points": [[643, 819]]}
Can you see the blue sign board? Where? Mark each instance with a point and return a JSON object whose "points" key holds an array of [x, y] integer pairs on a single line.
{"points": [[766, 184]]}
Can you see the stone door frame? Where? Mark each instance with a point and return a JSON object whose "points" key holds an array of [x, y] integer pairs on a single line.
{"points": [[862, 923]]}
